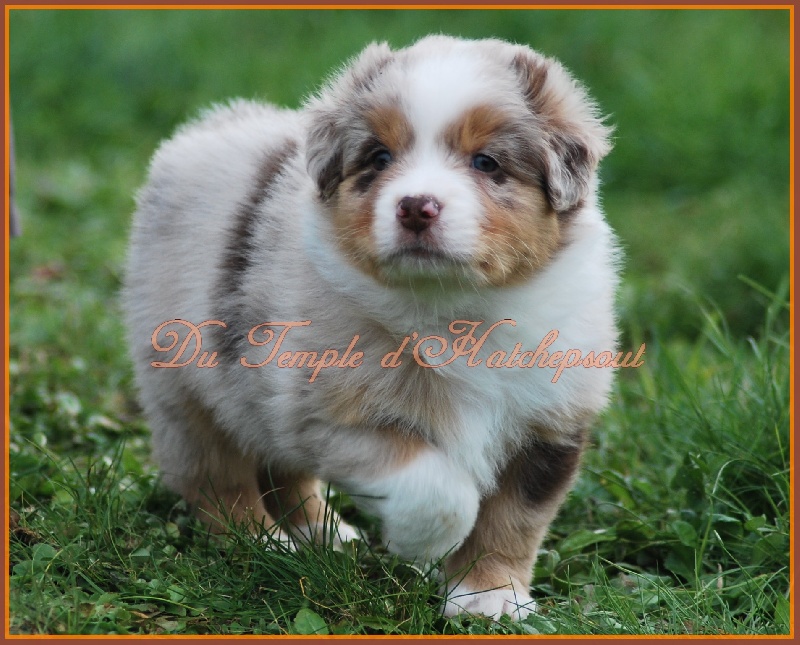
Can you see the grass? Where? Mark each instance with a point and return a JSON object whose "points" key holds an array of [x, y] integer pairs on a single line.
{"points": [[680, 522], [678, 525]]}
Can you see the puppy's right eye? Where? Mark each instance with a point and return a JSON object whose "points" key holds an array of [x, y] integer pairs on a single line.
{"points": [[485, 163], [381, 160]]}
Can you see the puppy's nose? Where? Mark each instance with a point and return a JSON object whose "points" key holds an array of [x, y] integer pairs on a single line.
{"points": [[417, 213]]}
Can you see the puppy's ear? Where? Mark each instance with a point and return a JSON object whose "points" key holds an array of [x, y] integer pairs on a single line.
{"points": [[331, 116], [325, 156], [576, 138]]}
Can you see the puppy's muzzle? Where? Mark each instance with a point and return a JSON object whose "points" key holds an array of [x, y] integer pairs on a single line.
{"points": [[417, 213]]}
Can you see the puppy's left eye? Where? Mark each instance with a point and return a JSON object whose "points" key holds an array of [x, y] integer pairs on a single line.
{"points": [[381, 160], [484, 163]]}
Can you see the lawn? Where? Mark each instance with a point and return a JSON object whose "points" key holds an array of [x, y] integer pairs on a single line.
{"points": [[680, 521]]}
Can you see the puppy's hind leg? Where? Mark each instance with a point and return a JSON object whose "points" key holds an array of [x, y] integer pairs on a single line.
{"points": [[200, 463], [297, 501]]}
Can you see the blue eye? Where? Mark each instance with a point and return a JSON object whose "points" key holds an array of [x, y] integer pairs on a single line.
{"points": [[381, 160], [484, 163]]}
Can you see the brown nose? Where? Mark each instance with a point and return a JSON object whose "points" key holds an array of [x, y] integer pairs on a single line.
{"points": [[417, 213]]}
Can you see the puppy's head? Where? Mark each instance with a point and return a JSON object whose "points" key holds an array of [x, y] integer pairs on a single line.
{"points": [[453, 160]]}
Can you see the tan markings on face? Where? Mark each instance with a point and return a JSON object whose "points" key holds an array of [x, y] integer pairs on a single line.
{"points": [[352, 220], [390, 127], [476, 129], [520, 232], [353, 205]]}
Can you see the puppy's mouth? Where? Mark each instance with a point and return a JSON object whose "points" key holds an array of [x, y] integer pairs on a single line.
{"points": [[420, 260], [422, 252]]}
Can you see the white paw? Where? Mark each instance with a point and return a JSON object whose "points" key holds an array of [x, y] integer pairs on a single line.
{"points": [[492, 603], [277, 540], [345, 533], [318, 533], [427, 507]]}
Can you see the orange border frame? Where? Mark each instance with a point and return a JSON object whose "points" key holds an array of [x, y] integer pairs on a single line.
{"points": [[4, 376]]}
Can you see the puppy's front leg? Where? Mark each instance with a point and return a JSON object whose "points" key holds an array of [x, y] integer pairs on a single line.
{"points": [[427, 504], [491, 573]]}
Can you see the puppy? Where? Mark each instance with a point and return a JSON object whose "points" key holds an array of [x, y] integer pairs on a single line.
{"points": [[437, 206]]}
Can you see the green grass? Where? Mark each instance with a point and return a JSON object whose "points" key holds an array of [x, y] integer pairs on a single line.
{"points": [[680, 521]]}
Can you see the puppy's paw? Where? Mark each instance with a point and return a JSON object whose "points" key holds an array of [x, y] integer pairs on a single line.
{"points": [[492, 603], [345, 533], [278, 540], [428, 507], [318, 533]]}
